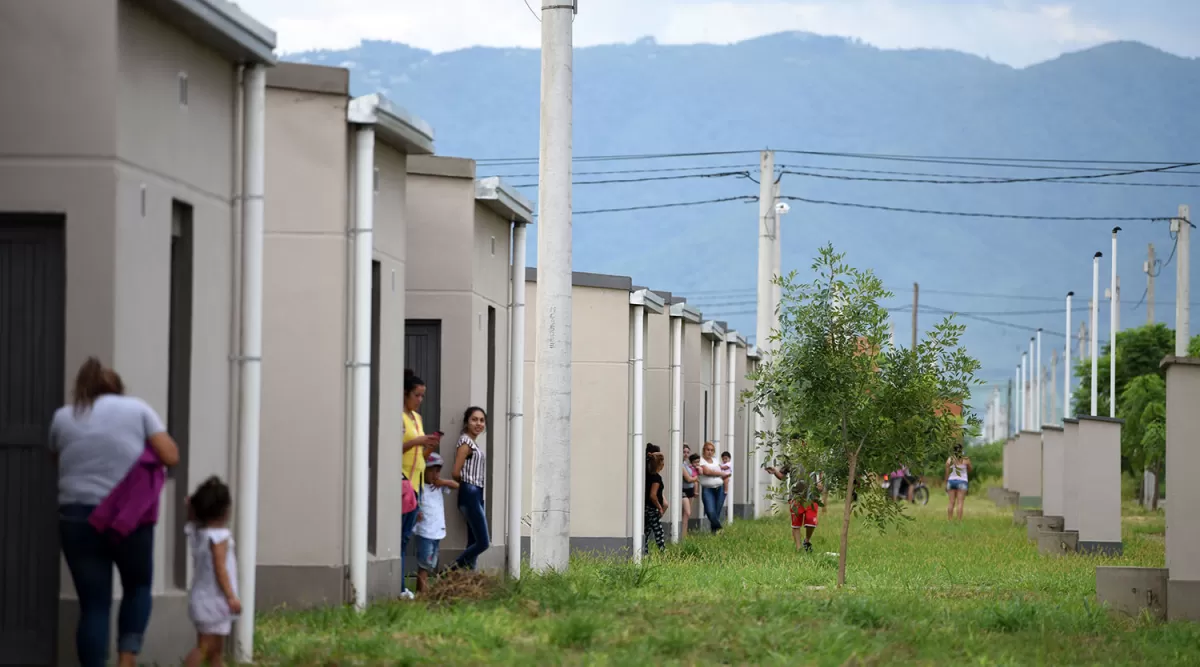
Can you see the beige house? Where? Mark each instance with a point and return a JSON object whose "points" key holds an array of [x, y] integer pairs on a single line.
{"points": [[318, 142], [604, 457], [121, 177], [461, 235]]}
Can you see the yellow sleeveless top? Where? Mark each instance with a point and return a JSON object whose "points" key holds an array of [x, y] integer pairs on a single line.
{"points": [[414, 459]]}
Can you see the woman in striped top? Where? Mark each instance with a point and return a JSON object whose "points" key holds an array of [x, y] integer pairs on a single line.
{"points": [[470, 470]]}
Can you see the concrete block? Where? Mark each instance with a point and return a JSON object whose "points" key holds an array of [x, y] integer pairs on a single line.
{"points": [[1020, 514], [1130, 590], [1070, 507], [1184, 597], [1052, 469], [1036, 524], [1055, 543], [1098, 487], [1183, 466], [1007, 499]]}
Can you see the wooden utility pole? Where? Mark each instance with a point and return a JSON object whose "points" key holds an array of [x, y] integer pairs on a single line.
{"points": [[1149, 268], [916, 301]]}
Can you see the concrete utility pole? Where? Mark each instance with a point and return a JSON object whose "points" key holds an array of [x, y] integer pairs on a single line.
{"points": [[1085, 344], [768, 225], [1034, 366], [550, 545], [1010, 415], [1053, 405], [1092, 340], [1114, 324], [1067, 362], [1182, 226], [1025, 392], [916, 303], [1149, 269], [1039, 385]]}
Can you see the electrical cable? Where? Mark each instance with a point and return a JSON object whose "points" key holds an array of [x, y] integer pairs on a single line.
{"points": [[639, 171], [964, 214], [743, 198], [984, 178], [645, 179], [995, 181]]}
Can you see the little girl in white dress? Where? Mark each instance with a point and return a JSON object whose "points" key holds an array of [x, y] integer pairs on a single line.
{"points": [[213, 602]]}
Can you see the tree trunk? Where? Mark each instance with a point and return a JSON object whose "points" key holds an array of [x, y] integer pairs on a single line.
{"points": [[849, 507], [1154, 491]]}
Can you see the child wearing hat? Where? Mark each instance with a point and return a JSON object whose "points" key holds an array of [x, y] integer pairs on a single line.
{"points": [[431, 519]]}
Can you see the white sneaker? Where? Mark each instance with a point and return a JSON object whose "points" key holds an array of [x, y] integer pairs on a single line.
{"points": [[406, 595]]}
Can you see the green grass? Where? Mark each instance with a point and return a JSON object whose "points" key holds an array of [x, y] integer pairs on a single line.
{"points": [[933, 593]]}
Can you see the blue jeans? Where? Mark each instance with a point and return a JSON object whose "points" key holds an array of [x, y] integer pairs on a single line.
{"points": [[470, 503], [427, 553], [90, 557], [407, 525], [714, 500]]}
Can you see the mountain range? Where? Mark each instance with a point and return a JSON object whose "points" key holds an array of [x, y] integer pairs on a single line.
{"points": [[814, 100]]}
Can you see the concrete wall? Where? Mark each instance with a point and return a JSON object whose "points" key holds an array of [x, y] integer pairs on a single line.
{"points": [[695, 380], [658, 381], [1026, 463], [600, 419], [91, 126], [306, 315], [1183, 522], [1098, 465], [1070, 474], [1053, 490], [459, 267]]}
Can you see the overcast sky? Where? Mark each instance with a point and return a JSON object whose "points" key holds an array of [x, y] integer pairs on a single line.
{"points": [[1016, 32]]}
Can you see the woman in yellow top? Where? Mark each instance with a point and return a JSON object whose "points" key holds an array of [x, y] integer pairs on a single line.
{"points": [[417, 446]]}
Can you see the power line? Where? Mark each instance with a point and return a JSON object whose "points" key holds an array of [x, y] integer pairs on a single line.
{"points": [[997, 161], [539, 19], [982, 161], [640, 171], [995, 181], [725, 174], [964, 214], [939, 175], [989, 320], [744, 198], [611, 158]]}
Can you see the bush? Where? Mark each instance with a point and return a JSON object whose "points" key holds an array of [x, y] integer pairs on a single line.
{"points": [[987, 460]]}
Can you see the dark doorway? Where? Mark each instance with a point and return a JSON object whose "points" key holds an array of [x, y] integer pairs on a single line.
{"points": [[373, 430], [423, 354], [179, 371], [32, 330], [490, 406]]}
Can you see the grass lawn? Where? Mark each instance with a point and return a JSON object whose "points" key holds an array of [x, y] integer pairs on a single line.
{"points": [[935, 593]]}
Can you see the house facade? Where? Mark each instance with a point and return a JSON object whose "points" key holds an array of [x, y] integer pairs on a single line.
{"points": [[121, 190]]}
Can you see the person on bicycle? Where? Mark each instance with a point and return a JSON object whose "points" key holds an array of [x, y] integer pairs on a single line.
{"points": [[901, 484]]}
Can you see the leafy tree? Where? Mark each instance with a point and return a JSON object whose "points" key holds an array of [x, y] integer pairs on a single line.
{"points": [[1139, 352], [1143, 406], [846, 401]]}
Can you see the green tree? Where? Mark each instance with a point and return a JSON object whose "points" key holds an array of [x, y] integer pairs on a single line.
{"points": [[1139, 352], [1143, 406], [846, 400]]}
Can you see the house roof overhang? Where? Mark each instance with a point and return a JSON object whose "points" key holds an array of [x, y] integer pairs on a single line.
{"points": [[647, 298], [394, 125], [220, 24], [503, 200]]}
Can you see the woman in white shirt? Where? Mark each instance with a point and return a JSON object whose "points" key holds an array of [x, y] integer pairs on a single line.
{"points": [[958, 467], [712, 485]]}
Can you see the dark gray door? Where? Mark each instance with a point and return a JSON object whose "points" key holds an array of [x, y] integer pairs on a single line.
{"points": [[423, 354], [32, 313]]}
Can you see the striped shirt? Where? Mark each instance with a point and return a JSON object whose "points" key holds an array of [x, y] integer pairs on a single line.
{"points": [[474, 470]]}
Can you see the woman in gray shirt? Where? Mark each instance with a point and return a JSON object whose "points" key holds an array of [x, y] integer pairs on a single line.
{"points": [[96, 441]]}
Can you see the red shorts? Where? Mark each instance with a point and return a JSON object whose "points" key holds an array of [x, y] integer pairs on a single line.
{"points": [[803, 516]]}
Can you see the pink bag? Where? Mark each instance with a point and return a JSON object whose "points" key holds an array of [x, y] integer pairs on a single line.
{"points": [[408, 496]]}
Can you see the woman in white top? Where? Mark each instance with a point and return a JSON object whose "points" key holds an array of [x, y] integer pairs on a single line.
{"points": [[958, 467], [712, 485]]}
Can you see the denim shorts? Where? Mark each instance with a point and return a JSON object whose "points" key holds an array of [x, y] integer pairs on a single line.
{"points": [[427, 553], [956, 485]]}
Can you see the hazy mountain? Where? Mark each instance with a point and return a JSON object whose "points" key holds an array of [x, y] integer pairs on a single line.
{"points": [[1120, 101]]}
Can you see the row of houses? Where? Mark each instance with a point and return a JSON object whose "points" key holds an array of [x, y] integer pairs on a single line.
{"points": [[261, 255]]}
